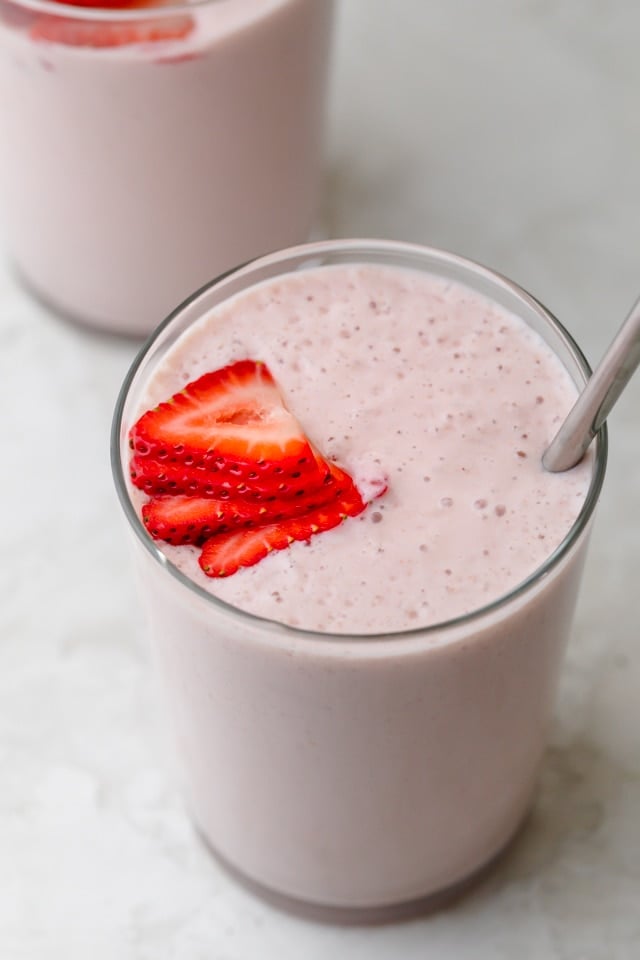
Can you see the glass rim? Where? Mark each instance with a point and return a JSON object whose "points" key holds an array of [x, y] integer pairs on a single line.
{"points": [[380, 247], [110, 14]]}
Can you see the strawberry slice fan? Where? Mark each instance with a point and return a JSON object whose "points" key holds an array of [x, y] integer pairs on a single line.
{"points": [[228, 468]]}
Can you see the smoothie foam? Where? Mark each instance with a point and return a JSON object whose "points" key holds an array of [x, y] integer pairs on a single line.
{"points": [[399, 375]]}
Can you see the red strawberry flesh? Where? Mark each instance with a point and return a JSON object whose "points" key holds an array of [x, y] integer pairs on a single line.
{"points": [[112, 4], [179, 520], [109, 33], [228, 468], [233, 421], [225, 554], [157, 479]]}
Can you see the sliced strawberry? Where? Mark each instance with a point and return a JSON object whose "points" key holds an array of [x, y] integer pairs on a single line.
{"points": [[209, 480], [234, 421], [113, 4], [179, 519], [223, 555], [107, 33], [160, 479], [228, 466]]}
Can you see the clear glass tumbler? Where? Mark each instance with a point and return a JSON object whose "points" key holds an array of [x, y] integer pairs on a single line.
{"points": [[358, 773], [147, 149]]}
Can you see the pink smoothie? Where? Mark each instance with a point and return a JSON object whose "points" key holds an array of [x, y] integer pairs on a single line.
{"points": [[363, 771], [131, 175], [398, 375]]}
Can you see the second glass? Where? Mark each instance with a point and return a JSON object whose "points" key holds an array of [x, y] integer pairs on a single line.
{"points": [[146, 150]]}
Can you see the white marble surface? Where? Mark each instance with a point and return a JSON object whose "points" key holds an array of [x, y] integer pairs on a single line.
{"points": [[507, 131]]}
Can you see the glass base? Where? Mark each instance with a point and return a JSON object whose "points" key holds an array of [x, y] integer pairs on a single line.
{"points": [[86, 324], [367, 916]]}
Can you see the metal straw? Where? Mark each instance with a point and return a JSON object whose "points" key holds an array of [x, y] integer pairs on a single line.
{"points": [[598, 397]]}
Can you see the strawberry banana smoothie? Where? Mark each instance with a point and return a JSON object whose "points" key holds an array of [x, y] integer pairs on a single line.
{"points": [[147, 148], [352, 451]]}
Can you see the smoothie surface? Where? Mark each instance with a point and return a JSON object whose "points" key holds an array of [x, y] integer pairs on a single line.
{"points": [[400, 375]]}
